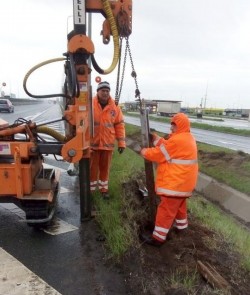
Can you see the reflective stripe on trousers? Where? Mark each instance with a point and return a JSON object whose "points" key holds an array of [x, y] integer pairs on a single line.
{"points": [[169, 210], [100, 161]]}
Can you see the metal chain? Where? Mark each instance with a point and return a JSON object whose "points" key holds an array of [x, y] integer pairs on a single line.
{"points": [[119, 87], [117, 94], [133, 74], [123, 70]]}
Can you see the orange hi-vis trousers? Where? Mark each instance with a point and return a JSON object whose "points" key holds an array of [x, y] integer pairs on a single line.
{"points": [[170, 211], [100, 162]]}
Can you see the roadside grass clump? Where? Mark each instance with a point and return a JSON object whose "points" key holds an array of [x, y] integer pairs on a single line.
{"points": [[246, 166], [224, 172], [227, 176], [186, 279], [228, 130], [214, 218], [110, 213]]}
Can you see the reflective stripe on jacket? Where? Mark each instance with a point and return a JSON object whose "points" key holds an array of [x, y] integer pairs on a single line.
{"points": [[108, 126], [177, 168]]}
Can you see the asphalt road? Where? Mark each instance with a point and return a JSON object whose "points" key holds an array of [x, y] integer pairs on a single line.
{"points": [[230, 141], [66, 258]]}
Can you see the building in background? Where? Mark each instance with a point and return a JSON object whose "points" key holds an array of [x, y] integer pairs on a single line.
{"points": [[160, 107]]}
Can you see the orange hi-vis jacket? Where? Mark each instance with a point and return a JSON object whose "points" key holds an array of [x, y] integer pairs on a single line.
{"points": [[177, 168], [108, 126]]}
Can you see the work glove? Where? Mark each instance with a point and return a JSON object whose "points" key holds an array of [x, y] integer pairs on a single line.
{"points": [[151, 137], [120, 150]]}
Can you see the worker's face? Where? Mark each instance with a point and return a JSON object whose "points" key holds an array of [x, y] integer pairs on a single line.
{"points": [[103, 95], [173, 128]]}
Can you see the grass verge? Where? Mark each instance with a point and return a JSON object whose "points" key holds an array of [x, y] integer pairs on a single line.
{"points": [[213, 218], [115, 215], [204, 126], [118, 234]]}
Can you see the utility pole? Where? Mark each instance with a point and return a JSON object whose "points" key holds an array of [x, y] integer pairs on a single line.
{"points": [[201, 104], [1, 91], [205, 98]]}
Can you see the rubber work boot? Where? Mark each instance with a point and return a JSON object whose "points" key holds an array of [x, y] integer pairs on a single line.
{"points": [[105, 195], [148, 239]]}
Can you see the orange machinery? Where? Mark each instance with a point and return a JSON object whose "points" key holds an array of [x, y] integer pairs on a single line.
{"points": [[23, 178]]}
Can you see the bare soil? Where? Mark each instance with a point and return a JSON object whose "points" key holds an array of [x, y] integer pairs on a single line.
{"points": [[168, 270], [235, 161]]}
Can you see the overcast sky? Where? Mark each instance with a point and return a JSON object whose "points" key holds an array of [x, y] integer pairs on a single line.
{"points": [[182, 49]]}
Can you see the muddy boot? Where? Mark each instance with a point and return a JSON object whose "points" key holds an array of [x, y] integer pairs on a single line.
{"points": [[181, 232], [148, 239]]}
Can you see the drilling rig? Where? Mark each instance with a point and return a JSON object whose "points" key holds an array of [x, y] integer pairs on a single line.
{"points": [[25, 181]]}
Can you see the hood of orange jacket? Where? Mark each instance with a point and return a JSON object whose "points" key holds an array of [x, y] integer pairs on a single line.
{"points": [[182, 122]]}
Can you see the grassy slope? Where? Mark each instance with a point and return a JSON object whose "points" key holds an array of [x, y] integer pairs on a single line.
{"points": [[116, 216]]}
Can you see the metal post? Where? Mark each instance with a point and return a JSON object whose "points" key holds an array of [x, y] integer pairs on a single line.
{"points": [[149, 171], [85, 197], [79, 15]]}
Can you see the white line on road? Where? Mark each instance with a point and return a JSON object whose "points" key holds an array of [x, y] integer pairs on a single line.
{"points": [[56, 227]]}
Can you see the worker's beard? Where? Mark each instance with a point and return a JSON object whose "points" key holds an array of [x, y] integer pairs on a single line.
{"points": [[103, 102]]}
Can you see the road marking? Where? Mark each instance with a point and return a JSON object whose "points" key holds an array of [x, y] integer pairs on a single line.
{"points": [[64, 190], [57, 226], [224, 142], [14, 209], [45, 165], [17, 279]]}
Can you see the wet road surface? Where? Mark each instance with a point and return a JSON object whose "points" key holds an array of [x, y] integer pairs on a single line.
{"points": [[70, 261]]}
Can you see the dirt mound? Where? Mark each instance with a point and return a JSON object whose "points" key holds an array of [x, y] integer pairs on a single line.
{"points": [[177, 268], [234, 160], [173, 268]]}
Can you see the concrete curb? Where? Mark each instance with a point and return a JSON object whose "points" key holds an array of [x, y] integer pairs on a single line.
{"points": [[229, 198]]}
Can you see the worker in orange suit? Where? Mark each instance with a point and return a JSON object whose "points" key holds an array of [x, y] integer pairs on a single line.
{"points": [[108, 128], [176, 176]]}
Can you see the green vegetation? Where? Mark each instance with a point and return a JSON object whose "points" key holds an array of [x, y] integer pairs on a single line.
{"points": [[186, 280], [204, 126], [229, 130], [118, 234], [117, 216], [213, 217], [227, 166]]}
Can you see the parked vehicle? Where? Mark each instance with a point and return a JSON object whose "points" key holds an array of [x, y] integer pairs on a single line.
{"points": [[168, 108], [6, 105]]}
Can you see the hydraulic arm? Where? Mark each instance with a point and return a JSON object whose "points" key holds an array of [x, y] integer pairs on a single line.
{"points": [[28, 184]]}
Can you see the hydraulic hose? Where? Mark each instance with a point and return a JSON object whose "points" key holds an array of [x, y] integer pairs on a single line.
{"points": [[35, 68], [46, 130], [114, 31]]}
